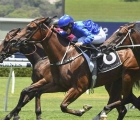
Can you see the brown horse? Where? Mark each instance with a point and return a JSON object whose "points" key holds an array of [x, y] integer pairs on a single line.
{"points": [[69, 68], [36, 55], [9, 47], [127, 36]]}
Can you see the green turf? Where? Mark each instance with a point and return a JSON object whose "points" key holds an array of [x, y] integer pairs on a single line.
{"points": [[51, 103], [103, 10]]}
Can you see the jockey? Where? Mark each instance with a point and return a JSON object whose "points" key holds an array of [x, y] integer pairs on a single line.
{"points": [[70, 37], [87, 32]]}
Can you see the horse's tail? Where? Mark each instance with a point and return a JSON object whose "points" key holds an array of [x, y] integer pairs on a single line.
{"points": [[137, 85]]}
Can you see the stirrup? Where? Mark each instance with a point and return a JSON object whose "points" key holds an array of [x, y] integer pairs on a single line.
{"points": [[99, 54]]}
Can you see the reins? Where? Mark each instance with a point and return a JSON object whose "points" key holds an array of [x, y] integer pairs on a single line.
{"points": [[62, 62], [33, 51], [48, 35]]}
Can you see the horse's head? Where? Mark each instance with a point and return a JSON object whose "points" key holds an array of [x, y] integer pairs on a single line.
{"points": [[35, 31], [42, 31], [125, 35], [9, 46]]}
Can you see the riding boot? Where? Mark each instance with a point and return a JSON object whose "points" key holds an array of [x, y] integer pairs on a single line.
{"points": [[98, 51]]}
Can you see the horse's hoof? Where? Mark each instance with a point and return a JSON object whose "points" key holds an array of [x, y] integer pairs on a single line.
{"points": [[39, 119], [121, 116], [87, 107], [16, 118], [103, 118], [103, 115]]}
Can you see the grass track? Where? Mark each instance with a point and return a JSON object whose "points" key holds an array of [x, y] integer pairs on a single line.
{"points": [[51, 103], [103, 10]]}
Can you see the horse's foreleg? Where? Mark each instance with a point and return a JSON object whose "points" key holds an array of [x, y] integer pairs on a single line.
{"points": [[38, 107], [114, 91], [24, 99], [71, 96], [26, 95]]}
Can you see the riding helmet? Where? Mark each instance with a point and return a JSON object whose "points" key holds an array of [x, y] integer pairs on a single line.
{"points": [[65, 20]]}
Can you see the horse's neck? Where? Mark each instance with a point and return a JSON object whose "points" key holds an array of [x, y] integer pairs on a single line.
{"points": [[35, 56], [55, 48]]}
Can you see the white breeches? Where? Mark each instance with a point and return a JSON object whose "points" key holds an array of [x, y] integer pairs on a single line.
{"points": [[98, 39]]}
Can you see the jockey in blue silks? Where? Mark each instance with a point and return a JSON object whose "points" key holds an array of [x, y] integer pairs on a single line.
{"points": [[86, 32]]}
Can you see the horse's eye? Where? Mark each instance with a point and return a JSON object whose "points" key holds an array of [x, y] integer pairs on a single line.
{"points": [[30, 28]]}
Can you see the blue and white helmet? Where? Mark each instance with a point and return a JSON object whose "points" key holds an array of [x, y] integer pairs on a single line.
{"points": [[65, 20]]}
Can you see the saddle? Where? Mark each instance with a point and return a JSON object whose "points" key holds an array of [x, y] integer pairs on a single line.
{"points": [[102, 64]]}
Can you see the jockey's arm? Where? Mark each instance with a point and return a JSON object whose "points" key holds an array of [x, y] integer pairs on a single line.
{"points": [[71, 37], [88, 37]]}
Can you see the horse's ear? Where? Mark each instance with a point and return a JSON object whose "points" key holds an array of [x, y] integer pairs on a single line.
{"points": [[12, 33], [52, 21], [137, 26], [54, 17], [132, 25], [132, 30]]}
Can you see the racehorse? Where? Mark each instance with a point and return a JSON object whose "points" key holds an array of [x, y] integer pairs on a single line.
{"points": [[70, 73], [127, 36], [37, 57]]}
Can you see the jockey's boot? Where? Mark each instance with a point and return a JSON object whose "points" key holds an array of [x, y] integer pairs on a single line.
{"points": [[98, 51]]}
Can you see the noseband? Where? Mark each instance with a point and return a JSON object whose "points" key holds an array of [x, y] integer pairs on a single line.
{"points": [[16, 45], [9, 45]]}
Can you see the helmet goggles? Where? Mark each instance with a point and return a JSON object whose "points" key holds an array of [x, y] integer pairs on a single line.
{"points": [[65, 28]]}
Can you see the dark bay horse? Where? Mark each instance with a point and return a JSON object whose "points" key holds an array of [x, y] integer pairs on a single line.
{"points": [[72, 75], [36, 55]]}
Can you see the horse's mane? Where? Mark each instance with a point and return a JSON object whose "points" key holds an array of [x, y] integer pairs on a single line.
{"points": [[13, 32]]}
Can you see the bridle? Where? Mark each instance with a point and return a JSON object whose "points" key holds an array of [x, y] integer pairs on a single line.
{"points": [[23, 43], [5, 52], [14, 44], [128, 34], [48, 30]]}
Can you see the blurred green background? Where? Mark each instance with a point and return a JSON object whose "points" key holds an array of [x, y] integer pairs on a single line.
{"points": [[103, 10]]}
